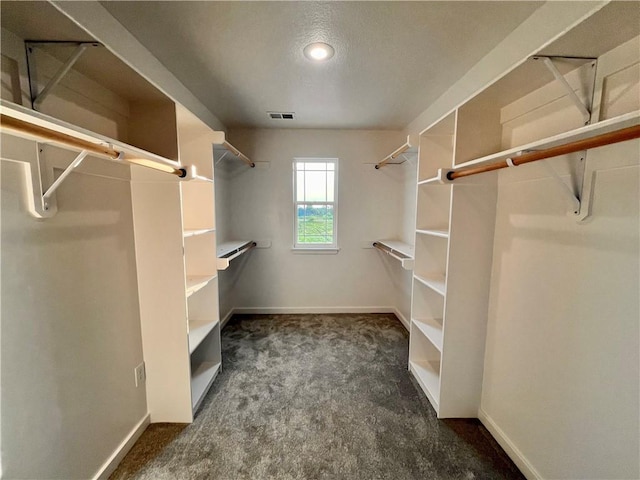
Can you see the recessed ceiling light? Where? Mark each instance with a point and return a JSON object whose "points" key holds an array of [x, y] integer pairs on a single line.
{"points": [[318, 51]]}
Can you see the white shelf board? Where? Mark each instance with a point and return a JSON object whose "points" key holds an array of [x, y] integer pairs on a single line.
{"points": [[399, 247], [435, 232], [397, 157], [427, 373], [196, 282], [605, 126], [198, 330], [227, 251], [403, 252], [201, 380], [430, 328], [46, 121], [436, 282], [194, 232]]}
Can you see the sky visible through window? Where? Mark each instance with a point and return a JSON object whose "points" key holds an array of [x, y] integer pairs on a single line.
{"points": [[315, 183]]}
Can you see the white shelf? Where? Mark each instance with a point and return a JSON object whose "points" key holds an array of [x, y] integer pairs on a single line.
{"points": [[227, 251], [198, 330], [51, 123], [623, 121], [223, 150], [435, 282], [403, 252], [196, 282], [399, 155], [427, 373], [201, 380], [194, 232], [430, 328], [435, 232]]}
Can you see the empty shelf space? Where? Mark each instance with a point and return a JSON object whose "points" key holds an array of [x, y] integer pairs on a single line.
{"points": [[435, 282], [196, 282], [198, 330], [436, 232], [229, 250], [427, 373], [197, 231], [430, 328], [201, 380]]}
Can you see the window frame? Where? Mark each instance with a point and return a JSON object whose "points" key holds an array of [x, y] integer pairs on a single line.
{"points": [[315, 247]]}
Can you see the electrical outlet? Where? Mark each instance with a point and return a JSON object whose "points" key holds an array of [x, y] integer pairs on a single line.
{"points": [[140, 374]]}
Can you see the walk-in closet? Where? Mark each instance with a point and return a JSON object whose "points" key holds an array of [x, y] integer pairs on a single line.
{"points": [[304, 240]]}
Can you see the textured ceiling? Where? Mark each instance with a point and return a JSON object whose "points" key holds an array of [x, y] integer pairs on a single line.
{"points": [[242, 59]]}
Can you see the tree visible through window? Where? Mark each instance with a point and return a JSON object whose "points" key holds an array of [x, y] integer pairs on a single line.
{"points": [[315, 183]]}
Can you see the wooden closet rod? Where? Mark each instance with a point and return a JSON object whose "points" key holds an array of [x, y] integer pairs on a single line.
{"points": [[617, 136], [30, 129]]}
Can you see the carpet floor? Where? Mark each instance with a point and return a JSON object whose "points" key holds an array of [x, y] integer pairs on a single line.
{"points": [[316, 397]]}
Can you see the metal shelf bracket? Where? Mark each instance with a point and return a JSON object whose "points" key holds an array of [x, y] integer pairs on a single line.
{"points": [[584, 109], [38, 97], [579, 195]]}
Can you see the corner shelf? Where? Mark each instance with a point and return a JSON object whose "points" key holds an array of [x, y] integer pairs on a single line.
{"points": [[223, 149], [403, 252]]}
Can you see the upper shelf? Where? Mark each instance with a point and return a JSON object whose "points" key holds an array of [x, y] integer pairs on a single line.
{"points": [[399, 155], [229, 250], [27, 123], [403, 252], [223, 149], [575, 136]]}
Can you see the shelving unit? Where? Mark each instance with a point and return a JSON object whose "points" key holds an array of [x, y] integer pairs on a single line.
{"points": [[527, 110], [178, 277]]}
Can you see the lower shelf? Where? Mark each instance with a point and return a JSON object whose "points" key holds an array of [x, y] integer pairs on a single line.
{"points": [[430, 328], [198, 330], [201, 380], [427, 373]]}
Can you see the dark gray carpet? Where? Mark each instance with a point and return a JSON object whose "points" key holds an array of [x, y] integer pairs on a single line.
{"points": [[316, 397]]}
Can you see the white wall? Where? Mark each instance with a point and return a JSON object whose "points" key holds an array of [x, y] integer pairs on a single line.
{"points": [[562, 371], [261, 206], [69, 313], [70, 326]]}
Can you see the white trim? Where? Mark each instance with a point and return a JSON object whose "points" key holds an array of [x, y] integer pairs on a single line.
{"points": [[118, 455], [509, 447], [402, 319], [289, 310], [298, 247], [226, 318], [315, 250], [286, 310]]}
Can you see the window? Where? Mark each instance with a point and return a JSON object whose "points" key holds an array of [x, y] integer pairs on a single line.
{"points": [[314, 187]]}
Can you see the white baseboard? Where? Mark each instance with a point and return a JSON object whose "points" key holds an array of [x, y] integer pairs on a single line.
{"points": [[226, 318], [509, 447], [402, 319], [294, 310], [118, 455]]}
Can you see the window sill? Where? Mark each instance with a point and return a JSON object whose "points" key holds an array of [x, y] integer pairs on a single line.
{"points": [[315, 251]]}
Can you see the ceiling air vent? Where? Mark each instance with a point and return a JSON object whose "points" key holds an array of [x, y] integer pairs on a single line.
{"points": [[282, 115]]}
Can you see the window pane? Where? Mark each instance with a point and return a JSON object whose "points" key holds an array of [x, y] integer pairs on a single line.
{"points": [[315, 186], [315, 224], [300, 186], [330, 185]]}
